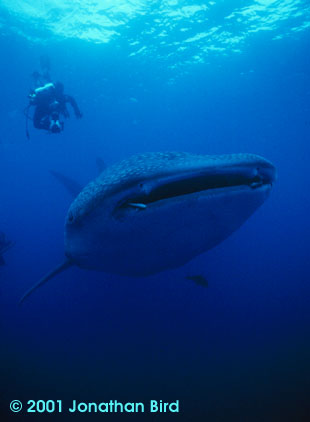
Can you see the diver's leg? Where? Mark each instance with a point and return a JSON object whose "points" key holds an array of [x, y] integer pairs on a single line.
{"points": [[40, 119]]}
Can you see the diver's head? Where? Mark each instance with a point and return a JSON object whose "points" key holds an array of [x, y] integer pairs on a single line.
{"points": [[59, 88]]}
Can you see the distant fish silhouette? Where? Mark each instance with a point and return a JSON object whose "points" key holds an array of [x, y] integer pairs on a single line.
{"points": [[200, 280]]}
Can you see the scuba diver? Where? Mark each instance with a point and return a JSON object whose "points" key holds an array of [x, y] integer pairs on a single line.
{"points": [[4, 246], [49, 101]]}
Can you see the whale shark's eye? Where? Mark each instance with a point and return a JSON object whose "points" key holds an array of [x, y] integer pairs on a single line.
{"points": [[70, 217]]}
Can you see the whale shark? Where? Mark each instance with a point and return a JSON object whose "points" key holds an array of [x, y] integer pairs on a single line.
{"points": [[156, 211]]}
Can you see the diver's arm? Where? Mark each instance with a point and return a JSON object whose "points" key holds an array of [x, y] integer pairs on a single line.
{"points": [[74, 105]]}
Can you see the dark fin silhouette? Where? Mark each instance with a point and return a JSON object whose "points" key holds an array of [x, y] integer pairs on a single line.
{"points": [[101, 166], [73, 187], [200, 280], [2, 261], [62, 267]]}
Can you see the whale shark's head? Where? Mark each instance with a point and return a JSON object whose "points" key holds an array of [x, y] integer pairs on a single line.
{"points": [[157, 211]]}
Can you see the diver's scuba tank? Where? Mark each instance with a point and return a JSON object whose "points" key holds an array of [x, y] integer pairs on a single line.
{"points": [[41, 94]]}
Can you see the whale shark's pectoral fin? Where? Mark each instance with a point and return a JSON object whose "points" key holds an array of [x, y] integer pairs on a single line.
{"points": [[60, 268]]}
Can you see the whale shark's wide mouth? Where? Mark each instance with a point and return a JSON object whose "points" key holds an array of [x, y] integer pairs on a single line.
{"points": [[253, 177]]}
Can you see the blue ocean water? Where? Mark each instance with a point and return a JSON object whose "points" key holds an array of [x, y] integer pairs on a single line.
{"points": [[207, 77]]}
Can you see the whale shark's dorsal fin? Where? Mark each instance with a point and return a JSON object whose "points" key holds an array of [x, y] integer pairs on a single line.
{"points": [[46, 278], [72, 186]]}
